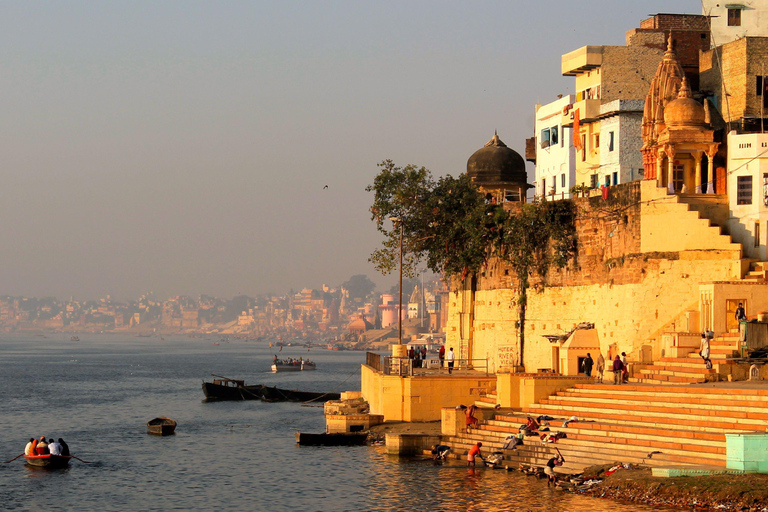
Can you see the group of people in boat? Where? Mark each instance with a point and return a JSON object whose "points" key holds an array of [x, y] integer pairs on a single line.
{"points": [[291, 361], [46, 447]]}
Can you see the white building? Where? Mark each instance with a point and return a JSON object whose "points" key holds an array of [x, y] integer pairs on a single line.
{"points": [[555, 154], [748, 192], [620, 141], [736, 19]]}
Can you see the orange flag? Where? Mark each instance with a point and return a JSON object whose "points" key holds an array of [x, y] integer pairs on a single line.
{"points": [[576, 130]]}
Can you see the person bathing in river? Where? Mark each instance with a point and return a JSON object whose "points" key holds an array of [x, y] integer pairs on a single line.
{"points": [[474, 452], [549, 469], [440, 452]]}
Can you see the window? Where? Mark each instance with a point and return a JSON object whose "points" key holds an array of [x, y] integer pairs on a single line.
{"points": [[744, 190], [607, 180], [584, 148], [757, 234], [765, 189], [553, 135], [543, 187], [562, 138], [615, 178], [512, 196], [597, 142], [734, 17], [610, 141], [562, 181], [593, 181], [545, 138], [554, 185]]}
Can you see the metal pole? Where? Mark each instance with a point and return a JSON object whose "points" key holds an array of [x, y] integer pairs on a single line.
{"points": [[400, 301], [422, 306]]}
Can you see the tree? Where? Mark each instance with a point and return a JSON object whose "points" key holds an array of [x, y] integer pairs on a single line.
{"points": [[438, 221], [359, 286], [531, 239]]}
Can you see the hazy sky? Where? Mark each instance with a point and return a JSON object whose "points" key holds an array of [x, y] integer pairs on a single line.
{"points": [[183, 147]]}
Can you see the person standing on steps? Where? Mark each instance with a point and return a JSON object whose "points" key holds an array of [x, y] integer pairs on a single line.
{"points": [[600, 367], [625, 368], [586, 365], [704, 350], [450, 357], [741, 316], [618, 368]]}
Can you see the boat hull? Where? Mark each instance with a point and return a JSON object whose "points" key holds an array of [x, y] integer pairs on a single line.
{"points": [[48, 461], [286, 368], [214, 391], [341, 439], [219, 392]]}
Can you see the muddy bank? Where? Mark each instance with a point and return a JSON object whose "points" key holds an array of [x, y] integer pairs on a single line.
{"points": [[713, 492]]}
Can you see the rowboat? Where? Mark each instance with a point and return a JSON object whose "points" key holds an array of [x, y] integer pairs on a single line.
{"points": [[161, 426], [48, 461], [285, 366], [339, 439]]}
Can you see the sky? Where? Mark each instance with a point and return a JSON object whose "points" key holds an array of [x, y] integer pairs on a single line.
{"points": [[184, 147]]}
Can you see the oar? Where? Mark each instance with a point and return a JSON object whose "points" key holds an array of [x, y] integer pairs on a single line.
{"points": [[13, 459], [81, 460]]}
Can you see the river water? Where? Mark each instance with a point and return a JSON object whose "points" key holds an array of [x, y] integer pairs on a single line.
{"points": [[99, 392]]}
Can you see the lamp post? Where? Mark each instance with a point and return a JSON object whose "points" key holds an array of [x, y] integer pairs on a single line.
{"points": [[397, 221]]}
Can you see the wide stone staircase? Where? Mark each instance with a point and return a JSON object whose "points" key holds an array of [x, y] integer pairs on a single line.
{"points": [[661, 426], [691, 369]]}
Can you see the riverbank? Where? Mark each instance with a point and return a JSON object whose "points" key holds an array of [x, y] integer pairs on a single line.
{"points": [[743, 492]]}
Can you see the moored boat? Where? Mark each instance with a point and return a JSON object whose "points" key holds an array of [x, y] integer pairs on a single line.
{"points": [[339, 439], [161, 426], [223, 388], [48, 461]]}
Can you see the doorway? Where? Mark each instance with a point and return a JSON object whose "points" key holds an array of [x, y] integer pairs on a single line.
{"points": [[731, 324]]}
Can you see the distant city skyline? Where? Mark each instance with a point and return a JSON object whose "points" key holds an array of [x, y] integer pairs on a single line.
{"points": [[185, 147]]}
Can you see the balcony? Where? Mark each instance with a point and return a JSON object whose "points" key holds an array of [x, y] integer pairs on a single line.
{"points": [[581, 60]]}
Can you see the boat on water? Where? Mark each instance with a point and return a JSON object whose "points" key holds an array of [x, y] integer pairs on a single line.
{"points": [[286, 365], [74, 338], [161, 426], [308, 365], [338, 439], [48, 461], [223, 388]]}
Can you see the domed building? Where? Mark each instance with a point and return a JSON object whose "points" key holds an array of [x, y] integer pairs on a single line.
{"points": [[499, 171], [677, 135]]}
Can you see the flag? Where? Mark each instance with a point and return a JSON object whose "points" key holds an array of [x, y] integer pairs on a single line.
{"points": [[576, 130]]}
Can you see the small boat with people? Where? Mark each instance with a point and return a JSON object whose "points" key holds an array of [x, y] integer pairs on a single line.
{"points": [[161, 426], [74, 338], [291, 365]]}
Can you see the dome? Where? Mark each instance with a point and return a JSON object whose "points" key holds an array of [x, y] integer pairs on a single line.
{"points": [[684, 110], [496, 163]]}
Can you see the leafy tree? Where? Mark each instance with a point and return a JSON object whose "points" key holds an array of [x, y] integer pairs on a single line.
{"points": [[359, 286], [437, 219]]}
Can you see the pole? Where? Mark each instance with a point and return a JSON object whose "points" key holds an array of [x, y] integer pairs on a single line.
{"points": [[400, 300], [422, 306]]}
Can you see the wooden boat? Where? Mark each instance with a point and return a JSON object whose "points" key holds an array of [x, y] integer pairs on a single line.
{"points": [[285, 366], [340, 439], [161, 426], [48, 461], [308, 365], [223, 388], [74, 338]]}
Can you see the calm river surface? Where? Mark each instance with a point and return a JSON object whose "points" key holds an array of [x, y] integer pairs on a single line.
{"points": [[98, 394]]}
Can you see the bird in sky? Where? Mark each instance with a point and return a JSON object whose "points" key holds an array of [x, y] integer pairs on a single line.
{"points": [[325, 187]]}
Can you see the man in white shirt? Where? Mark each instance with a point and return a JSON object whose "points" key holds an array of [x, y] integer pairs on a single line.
{"points": [[28, 448], [450, 357], [54, 448]]}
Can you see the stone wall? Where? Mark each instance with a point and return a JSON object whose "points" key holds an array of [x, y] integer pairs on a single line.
{"points": [[631, 295]]}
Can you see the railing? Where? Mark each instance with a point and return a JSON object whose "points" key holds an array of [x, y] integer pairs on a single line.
{"points": [[404, 366]]}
